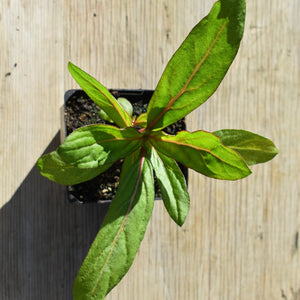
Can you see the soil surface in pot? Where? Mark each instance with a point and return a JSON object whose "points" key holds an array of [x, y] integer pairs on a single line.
{"points": [[80, 111]]}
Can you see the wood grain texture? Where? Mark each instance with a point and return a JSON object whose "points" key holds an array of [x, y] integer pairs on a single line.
{"points": [[240, 240]]}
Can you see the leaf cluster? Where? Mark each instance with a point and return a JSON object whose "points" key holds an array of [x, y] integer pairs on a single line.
{"points": [[190, 78]]}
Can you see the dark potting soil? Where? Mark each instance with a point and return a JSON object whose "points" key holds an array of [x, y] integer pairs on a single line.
{"points": [[80, 111]]}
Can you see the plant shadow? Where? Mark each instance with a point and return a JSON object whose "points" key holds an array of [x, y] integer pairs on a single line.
{"points": [[44, 239]]}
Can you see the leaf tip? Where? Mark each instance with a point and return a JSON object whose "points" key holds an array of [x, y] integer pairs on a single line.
{"points": [[180, 222]]}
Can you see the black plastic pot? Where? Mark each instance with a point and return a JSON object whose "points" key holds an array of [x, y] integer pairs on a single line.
{"points": [[83, 192]]}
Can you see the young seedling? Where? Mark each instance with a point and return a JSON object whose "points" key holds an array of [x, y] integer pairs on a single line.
{"points": [[125, 104], [190, 78]]}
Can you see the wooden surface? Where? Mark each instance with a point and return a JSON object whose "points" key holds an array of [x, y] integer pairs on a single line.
{"points": [[241, 239]]}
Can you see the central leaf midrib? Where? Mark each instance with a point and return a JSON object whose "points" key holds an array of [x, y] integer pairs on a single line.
{"points": [[199, 149]]}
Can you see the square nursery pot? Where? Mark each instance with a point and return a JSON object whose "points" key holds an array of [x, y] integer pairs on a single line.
{"points": [[79, 110]]}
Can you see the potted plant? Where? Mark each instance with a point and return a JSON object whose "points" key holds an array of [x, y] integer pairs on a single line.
{"points": [[78, 111], [190, 78]]}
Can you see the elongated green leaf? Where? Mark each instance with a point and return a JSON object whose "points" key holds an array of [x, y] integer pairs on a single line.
{"points": [[203, 152], [199, 65], [95, 145], [54, 168], [252, 147], [129, 161], [101, 96], [172, 185], [117, 242]]}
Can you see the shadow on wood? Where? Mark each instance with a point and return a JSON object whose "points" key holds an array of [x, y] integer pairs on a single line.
{"points": [[44, 239]]}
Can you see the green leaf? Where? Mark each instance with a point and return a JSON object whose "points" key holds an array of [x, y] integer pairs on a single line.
{"points": [[95, 145], [141, 120], [101, 96], [252, 147], [203, 152], [126, 105], [117, 242], [54, 168], [128, 162], [103, 115], [172, 185], [199, 65]]}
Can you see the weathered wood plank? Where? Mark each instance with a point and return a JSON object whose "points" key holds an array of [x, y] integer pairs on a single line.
{"points": [[31, 73], [241, 239]]}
